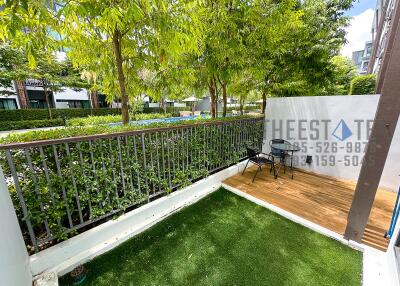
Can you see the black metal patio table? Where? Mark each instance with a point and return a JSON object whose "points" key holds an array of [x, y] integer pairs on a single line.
{"points": [[287, 150]]}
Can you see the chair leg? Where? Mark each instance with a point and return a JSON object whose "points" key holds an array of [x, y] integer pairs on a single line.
{"points": [[245, 166], [259, 168], [273, 167], [284, 166]]}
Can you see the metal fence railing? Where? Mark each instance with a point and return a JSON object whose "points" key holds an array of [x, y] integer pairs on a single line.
{"points": [[65, 186]]}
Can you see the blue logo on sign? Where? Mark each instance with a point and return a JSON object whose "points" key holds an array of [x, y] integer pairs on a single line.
{"points": [[342, 131]]}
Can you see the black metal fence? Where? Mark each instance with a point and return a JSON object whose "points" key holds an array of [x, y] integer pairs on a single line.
{"points": [[65, 186]]}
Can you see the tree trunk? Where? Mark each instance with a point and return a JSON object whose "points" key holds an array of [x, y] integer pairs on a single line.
{"points": [[46, 96], [241, 100], [21, 93], [224, 98], [163, 104], [264, 102], [121, 76], [216, 96], [211, 89], [94, 99]]}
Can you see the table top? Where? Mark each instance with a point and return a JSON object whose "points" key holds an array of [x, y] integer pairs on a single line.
{"points": [[286, 146]]}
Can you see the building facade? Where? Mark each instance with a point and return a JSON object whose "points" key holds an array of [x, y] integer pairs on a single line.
{"points": [[381, 26], [361, 58], [32, 94]]}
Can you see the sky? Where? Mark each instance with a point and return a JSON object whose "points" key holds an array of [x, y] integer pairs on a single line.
{"points": [[359, 30]]}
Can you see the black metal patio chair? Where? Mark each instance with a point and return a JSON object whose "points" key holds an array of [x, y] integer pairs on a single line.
{"points": [[256, 159], [282, 156]]}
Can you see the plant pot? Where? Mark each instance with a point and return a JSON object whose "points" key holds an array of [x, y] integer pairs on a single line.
{"points": [[78, 275]]}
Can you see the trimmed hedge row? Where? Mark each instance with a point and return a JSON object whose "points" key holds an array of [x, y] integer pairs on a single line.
{"points": [[363, 84], [173, 110], [73, 131], [29, 124], [96, 120], [62, 113]]}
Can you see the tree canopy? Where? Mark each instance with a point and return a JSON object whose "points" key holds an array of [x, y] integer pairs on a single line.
{"points": [[177, 48]]}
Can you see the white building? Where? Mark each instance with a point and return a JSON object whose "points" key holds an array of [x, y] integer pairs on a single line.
{"points": [[31, 94]]}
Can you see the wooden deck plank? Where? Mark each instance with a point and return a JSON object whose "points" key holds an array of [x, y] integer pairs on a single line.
{"points": [[321, 199]]}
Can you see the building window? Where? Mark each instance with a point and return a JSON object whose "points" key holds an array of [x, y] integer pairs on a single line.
{"points": [[76, 103], [368, 51], [8, 103], [365, 66]]}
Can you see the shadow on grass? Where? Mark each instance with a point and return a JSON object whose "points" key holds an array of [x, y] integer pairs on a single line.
{"points": [[226, 240]]}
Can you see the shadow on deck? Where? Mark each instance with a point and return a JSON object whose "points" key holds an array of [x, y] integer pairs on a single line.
{"points": [[320, 199]]}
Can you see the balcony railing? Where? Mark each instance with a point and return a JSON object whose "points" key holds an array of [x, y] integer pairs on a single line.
{"points": [[65, 186]]}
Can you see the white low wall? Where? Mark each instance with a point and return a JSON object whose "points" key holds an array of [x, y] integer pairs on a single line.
{"points": [[311, 122], [14, 259], [66, 255], [393, 259]]}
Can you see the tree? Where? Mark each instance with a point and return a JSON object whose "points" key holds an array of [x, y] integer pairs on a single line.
{"points": [[363, 84], [296, 56], [343, 72], [13, 66], [113, 39], [124, 38], [221, 46]]}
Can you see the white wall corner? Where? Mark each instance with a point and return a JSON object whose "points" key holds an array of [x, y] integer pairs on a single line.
{"points": [[393, 261], [14, 259]]}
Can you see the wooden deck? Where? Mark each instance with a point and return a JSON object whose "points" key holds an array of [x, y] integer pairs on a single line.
{"points": [[321, 199]]}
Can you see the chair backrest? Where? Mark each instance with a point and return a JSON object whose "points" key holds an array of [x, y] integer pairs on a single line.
{"points": [[276, 141], [276, 152], [251, 153]]}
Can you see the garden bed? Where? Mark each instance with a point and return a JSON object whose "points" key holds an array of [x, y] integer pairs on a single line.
{"points": [[226, 240]]}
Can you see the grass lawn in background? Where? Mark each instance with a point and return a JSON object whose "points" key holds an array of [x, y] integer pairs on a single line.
{"points": [[225, 239]]}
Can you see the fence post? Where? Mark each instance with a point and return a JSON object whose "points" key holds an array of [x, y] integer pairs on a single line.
{"points": [[14, 262]]}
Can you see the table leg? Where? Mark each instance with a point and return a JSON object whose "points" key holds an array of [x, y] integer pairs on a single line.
{"points": [[291, 164]]}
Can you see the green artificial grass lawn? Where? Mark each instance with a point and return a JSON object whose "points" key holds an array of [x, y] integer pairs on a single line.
{"points": [[226, 240]]}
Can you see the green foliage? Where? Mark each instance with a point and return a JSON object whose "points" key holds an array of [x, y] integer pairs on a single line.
{"points": [[59, 113], [115, 173], [174, 49], [73, 131], [29, 124], [15, 66], [295, 60], [363, 84], [96, 120], [343, 72], [172, 110]]}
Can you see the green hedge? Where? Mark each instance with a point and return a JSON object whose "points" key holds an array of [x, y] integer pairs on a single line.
{"points": [[29, 124], [173, 110], [363, 84], [62, 113], [96, 120], [245, 108], [72, 131]]}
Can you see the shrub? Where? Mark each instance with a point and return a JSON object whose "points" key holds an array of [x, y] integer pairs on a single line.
{"points": [[173, 110], [62, 113], [92, 180], [96, 120], [29, 124], [73, 131], [363, 84]]}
